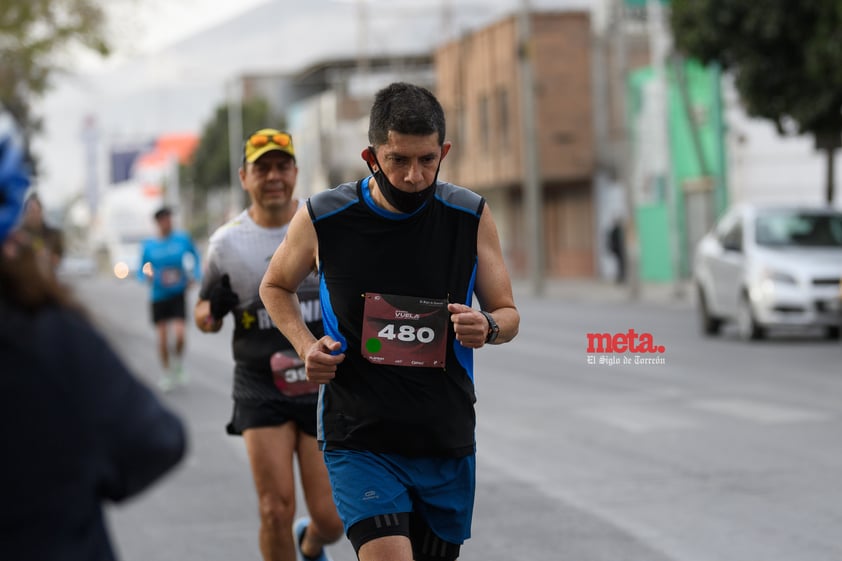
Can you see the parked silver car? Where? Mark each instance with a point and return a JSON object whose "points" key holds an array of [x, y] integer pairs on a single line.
{"points": [[766, 267]]}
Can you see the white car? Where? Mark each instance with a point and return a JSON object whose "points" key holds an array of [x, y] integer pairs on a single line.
{"points": [[766, 267]]}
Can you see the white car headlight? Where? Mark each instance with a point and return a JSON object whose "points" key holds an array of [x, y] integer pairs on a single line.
{"points": [[768, 279], [778, 276]]}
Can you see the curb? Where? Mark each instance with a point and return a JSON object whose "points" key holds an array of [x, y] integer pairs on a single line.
{"points": [[678, 294]]}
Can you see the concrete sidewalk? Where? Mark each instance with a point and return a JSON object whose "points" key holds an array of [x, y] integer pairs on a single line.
{"points": [[680, 294]]}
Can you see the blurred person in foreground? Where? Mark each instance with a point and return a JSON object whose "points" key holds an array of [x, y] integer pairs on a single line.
{"points": [[47, 240], [162, 265], [400, 256], [78, 428], [274, 404]]}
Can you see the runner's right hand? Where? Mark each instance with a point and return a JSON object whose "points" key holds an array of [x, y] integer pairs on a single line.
{"points": [[222, 298]]}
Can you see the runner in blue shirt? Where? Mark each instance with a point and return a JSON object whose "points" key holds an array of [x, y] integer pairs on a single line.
{"points": [[162, 264]]}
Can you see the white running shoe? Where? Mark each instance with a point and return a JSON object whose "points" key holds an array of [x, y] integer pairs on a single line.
{"points": [[177, 372], [165, 383]]}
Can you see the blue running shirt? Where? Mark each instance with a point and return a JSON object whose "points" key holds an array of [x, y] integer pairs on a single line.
{"points": [[169, 269]]}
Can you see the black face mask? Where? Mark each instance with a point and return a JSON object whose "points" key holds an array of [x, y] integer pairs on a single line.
{"points": [[402, 200]]}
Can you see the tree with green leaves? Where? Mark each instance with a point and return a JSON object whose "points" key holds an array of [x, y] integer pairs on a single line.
{"points": [[33, 33], [785, 56], [209, 169]]}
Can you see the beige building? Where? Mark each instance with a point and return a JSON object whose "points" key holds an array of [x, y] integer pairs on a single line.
{"points": [[478, 83]]}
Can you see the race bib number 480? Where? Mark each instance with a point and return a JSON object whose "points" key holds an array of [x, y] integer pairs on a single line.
{"points": [[405, 330]]}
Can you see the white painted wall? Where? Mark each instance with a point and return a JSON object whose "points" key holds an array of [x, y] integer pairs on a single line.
{"points": [[764, 167]]}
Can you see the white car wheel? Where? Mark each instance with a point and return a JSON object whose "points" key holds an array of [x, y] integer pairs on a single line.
{"points": [[710, 325]]}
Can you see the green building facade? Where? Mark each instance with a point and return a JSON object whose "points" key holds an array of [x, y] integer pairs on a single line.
{"points": [[675, 207]]}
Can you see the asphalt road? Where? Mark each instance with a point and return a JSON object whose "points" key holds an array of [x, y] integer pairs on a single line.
{"points": [[717, 451]]}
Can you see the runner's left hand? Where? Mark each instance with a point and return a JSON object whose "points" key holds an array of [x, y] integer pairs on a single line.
{"points": [[222, 298], [470, 325]]}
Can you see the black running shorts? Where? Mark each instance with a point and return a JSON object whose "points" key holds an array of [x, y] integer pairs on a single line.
{"points": [[250, 414], [169, 308]]}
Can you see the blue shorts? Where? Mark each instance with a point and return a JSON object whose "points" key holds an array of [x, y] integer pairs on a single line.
{"points": [[440, 490]]}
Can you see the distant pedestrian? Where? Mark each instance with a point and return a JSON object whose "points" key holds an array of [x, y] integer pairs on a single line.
{"points": [[77, 429], [162, 264], [617, 246]]}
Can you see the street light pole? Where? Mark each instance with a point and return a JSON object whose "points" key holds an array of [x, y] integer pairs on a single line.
{"points": [[235, 139], [532, 188]]}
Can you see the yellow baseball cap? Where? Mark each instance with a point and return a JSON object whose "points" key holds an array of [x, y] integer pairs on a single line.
{"points": [[267, 140]]}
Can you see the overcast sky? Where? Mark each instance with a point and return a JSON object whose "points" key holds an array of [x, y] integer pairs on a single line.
{"points": [[144, 26], [153, 44]]}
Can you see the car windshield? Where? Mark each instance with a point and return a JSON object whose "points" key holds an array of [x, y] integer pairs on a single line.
{"points": [[800, 229]]}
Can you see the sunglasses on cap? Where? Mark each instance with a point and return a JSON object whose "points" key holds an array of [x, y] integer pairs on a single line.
{"points": [[259, 140]]}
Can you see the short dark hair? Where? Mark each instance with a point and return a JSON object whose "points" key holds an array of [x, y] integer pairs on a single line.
{"points": [[406, 109], [162, 212]]}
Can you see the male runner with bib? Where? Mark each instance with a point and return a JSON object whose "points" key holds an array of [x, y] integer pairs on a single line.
{"points": [[162, 265], [274, 403], [400, 257]]}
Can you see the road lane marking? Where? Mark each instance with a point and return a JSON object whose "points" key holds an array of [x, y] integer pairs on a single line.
{"points": [[759, 411], [639, 420]]}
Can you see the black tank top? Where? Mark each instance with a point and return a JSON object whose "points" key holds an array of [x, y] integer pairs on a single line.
{"points": [[429, 255]]}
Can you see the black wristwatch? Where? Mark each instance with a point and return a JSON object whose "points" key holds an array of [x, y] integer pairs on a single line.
{"points": [[493, 328]]}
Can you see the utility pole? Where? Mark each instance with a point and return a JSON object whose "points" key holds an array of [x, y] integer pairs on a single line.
{"points": [[172, 195], [235, 142], [446, 21], [532, 188], [90, 139], [363, 62], [660, 47], [624, 148]]}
